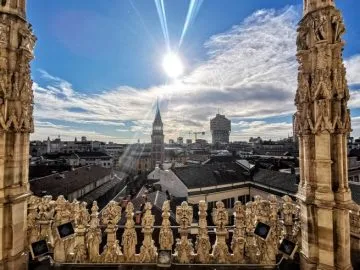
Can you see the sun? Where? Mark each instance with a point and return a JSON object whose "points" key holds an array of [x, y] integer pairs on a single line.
{"points": [[172, 65]]}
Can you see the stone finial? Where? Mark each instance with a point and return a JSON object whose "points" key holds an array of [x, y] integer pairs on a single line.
{"points": [[221, 219], [129, 238], [93, 236], [202, 244], [311, 5], [238, 240], [110, 217], [148, 251], [111, 214], [184, 251], [166, 238]]}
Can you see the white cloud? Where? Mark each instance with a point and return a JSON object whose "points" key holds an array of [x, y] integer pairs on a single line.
{"points": [[250, 73], [353, 69]]}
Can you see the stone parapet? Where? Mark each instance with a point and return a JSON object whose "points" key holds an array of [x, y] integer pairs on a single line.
{"points": [[224, 243]]}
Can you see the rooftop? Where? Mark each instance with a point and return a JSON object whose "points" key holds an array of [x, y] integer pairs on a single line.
{"points": [[67, 182]]}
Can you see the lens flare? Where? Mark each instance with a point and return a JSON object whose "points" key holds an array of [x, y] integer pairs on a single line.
{"points": [[172, 65]]}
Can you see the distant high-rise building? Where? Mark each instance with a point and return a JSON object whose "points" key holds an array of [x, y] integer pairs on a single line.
{"points": [[220, 128], [180, 140], [157, 140], [171, 141]]}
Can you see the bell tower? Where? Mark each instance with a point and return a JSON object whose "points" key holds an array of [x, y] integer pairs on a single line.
{"points": [[16, 123], [157, 139], [322, 126]]}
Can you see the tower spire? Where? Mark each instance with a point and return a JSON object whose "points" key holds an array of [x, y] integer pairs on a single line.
{"points": [[16, 123], [322, 124], [157, 139]]}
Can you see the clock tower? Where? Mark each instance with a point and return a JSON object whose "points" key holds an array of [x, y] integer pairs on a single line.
{"points": [[157, 140]]}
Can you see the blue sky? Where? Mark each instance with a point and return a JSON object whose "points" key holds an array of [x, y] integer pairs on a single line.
{"points": [[98, 69]]}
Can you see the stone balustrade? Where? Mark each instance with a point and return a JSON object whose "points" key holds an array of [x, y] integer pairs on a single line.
{"points": [[97, 239]]}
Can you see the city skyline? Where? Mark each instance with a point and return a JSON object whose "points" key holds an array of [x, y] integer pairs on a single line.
{"points": [[231, 64]]}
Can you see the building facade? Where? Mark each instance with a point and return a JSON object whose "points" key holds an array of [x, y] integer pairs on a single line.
{"points": [[220, 128], [157, 140]]}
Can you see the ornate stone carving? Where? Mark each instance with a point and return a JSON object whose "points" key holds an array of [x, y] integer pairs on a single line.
{"points": [[246, 247], [166, 238], [184, 251], [221, 219], [27, 40], [93, 236], [302, 39], [338, 27], [33, 227], [238, 240], [148, 251], [46, 216], [252, 251], [202, 244], [4, 34], [63, 214], [129, 238], [82, 218], [110, 217], [320, 26]]}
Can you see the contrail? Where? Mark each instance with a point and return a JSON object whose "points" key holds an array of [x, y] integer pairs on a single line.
{"points": [[193, 10], [142, 22], [160, 7]]}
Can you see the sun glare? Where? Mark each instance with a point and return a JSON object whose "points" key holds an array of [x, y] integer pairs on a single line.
{"points": [[172, 65]]}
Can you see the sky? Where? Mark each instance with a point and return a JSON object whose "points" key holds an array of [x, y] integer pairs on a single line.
{"points": [[98, 67]]}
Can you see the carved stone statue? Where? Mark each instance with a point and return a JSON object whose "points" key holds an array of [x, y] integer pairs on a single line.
{"points": [[338, 27], [46, 217], [302, 39], [320, 27]]}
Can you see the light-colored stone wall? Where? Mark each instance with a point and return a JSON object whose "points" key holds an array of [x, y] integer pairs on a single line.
{"points": [[16, 122]]}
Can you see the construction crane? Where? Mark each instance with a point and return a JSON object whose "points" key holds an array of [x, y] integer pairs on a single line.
{"points": [[197, 133]]}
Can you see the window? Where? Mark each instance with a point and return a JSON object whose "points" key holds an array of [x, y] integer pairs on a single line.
{"points": [[356, 178], [350, 179]]}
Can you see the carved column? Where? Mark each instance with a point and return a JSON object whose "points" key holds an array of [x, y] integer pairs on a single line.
{"points": [[323, 124], [16, 52]]}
